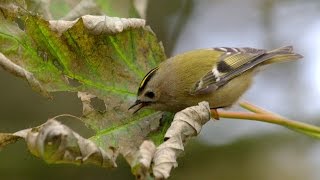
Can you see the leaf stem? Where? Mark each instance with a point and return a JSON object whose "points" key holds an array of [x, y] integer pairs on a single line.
{"points": [[259, 114], [253, 108]]}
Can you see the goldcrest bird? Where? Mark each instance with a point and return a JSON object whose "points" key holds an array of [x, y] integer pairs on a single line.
{"points": [[216, 75]]}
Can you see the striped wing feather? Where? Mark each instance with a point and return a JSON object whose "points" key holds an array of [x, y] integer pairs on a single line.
{"points": [[232, 63]]}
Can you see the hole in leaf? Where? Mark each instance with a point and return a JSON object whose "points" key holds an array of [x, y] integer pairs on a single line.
{"points": [[43, 55], [74, 82], [113, 149], [20, 23], [57, 64]]}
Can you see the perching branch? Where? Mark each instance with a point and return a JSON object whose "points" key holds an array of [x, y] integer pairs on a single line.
{"points": [[263, 115]]}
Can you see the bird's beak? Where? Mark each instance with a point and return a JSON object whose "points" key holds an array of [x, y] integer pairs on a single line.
{"points": [[138, 102]]}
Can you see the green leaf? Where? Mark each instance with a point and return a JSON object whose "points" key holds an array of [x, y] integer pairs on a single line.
{"points": [[102, 56]]}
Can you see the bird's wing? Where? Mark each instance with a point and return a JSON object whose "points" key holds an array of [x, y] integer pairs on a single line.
{"points": [[232, 63]]}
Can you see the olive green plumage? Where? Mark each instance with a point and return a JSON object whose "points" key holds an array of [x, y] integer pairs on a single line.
{"points": [[217, 75]]}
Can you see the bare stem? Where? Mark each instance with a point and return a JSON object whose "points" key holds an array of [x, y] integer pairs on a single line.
{"points": [[259, 114], [253, 108]]}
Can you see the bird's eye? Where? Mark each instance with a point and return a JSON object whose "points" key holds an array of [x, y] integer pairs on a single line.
{"points": [[150, 94]]}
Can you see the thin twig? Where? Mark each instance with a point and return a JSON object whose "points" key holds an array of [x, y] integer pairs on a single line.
{"points": [[262, 115], [253, 108]]}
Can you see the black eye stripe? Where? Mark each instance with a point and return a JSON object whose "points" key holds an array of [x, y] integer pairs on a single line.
{"points": [[146, 78]]}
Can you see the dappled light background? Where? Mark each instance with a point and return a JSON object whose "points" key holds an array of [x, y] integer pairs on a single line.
{"points": [[226, 149]]}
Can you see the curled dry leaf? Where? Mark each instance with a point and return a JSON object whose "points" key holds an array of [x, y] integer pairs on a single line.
{"points": [[85, 97], [186, 124], [57, 143], [99, 24], [145, 156], [147, 149], [7, 138], [18, 71]]}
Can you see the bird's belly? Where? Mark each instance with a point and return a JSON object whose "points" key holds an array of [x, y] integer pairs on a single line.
{"points": [[225, 96], [229, 94]]}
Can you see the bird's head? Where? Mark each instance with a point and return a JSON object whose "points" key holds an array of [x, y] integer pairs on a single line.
{"points": [[147, 95]]}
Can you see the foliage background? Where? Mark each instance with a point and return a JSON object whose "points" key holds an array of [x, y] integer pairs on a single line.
{"points": [[226, 149]]}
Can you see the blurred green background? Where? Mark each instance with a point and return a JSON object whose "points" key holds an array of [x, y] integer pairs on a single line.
{"points": [[226, 149]]}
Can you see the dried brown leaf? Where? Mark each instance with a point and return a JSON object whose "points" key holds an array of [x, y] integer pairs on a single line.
{"points": [[186, 124], [56, 143]]}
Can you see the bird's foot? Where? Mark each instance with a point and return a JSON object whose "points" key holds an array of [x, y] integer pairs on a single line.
{"points": [[215, 114]]}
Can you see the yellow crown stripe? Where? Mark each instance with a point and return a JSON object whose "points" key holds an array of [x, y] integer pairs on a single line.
{"points": [[146, 77]]}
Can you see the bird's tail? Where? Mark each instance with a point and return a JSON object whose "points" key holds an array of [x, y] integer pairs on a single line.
{"points": [[280, 55]]}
